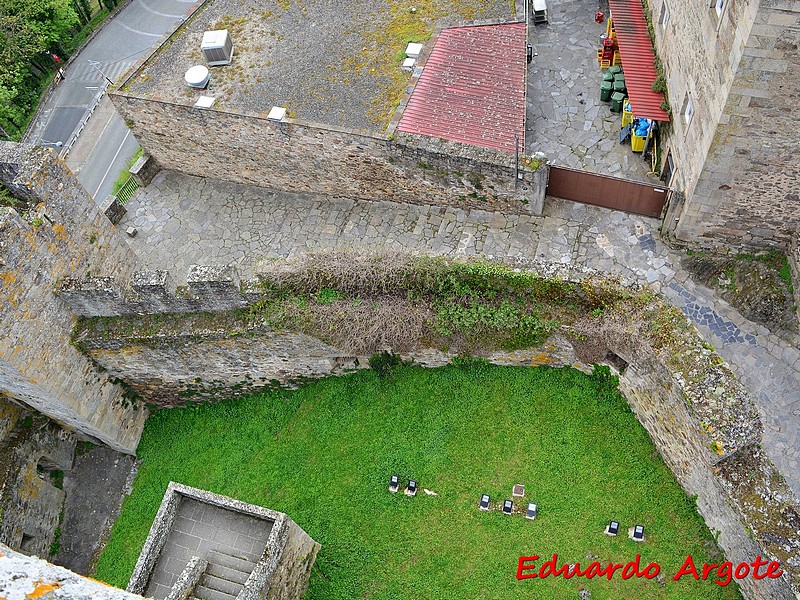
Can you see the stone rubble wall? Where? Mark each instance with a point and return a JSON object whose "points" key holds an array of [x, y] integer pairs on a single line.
{"points": [[296, 156], [653, 392], [65, 236], [24, 576], [748, 193], [30, 504]]}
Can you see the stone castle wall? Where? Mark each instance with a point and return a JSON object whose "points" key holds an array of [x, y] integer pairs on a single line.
{"points": [[65, 236], [303, 157], [23, 576], [747, 191], [205, 366], [32, 448]]}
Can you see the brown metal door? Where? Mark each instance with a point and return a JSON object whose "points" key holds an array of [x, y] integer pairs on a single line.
{"points": [[609, 192]]}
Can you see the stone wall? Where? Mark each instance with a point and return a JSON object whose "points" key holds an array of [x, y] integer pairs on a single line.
{"points": [[290, 577], [654, 393], [742, 74], [793, 256], [31, 450], [24, 576], [65, 236], [303, 157]]}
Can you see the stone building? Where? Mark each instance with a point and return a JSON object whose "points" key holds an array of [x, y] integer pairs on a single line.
{"points": [[732, 70]]}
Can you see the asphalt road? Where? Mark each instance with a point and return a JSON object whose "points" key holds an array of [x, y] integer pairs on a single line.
{"points": [[120, 43]]}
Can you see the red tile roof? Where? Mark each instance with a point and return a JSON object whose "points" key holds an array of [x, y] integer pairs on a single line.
{"points": [[638, 58], [472, 88]]}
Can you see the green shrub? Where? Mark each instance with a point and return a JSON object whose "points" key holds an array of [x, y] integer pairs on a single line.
{"points": [[384, 363]]}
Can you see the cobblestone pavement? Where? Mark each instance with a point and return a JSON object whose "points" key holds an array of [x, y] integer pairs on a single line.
{"points": [[565, 117], [185, 220]]}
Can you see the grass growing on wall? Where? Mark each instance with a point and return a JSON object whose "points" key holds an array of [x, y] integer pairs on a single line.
{"points": [[323, 454]]}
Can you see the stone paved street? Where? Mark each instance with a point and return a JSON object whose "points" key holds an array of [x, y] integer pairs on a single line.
{"points": [[565, 117], [185, 220]]}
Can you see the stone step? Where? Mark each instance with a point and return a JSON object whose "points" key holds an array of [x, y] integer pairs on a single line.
{"points": [[221, 585], [239, 563], [235, 575], [203, 593]]}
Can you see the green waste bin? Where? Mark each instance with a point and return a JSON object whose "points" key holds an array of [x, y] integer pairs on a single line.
{"points": [[619, 86], [615, 69], [605, 91], [619, 77], [616, 101], [608, 76]]}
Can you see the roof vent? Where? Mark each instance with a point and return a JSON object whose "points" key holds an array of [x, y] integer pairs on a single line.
{"points": [[205, 102], [277, 113], [217, 47], [413, 50], [197, 77]]}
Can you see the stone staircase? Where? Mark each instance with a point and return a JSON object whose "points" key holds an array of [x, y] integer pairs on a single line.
{"points": [[224, 577]]}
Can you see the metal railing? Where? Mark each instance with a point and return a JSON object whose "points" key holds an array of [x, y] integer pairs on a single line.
{"points": [[126, 191], [85, 119]]}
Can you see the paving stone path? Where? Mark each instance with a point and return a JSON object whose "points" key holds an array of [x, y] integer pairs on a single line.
{"points": [[186, 220]]}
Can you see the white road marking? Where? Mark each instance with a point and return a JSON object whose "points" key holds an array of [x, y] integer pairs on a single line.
{"points": [[127, 133], [132, 30], [160, 14]]}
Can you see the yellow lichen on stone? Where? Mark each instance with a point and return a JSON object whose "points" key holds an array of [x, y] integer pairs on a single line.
{"points": [[42, 588]]}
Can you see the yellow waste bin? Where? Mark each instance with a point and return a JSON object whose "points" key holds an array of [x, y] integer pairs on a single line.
{"points": [[637, 142], [627, 113]]}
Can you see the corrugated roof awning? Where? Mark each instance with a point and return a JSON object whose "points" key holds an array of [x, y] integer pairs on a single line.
{"points": [[638, 58]]}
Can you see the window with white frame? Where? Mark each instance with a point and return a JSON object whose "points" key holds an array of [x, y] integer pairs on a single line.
{"points": [[688, 109], [664, 15]]}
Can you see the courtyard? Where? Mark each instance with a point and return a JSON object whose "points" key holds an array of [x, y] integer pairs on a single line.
{"points": [[565, 118], [323, 454]]}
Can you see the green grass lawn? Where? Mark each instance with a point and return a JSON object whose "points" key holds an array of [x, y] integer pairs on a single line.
{"points": [[323, 454]]}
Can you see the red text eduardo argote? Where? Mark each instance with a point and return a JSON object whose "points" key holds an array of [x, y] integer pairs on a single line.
{"points": [[722, 574]]}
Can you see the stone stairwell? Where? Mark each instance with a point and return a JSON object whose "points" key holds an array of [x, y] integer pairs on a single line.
{"points": [[224, 577]]}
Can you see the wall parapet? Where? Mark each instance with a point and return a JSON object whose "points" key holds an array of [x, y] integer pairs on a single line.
{"points": [[209, 289]]}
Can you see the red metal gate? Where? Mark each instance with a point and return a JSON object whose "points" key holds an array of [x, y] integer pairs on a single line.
{"points": [[609, 192]]}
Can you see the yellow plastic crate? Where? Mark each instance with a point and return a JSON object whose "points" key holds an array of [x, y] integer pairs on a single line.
{"points": [[605, 64], [617, 58]]}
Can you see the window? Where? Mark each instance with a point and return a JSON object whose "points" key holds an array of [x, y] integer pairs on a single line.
{"points": [[688, 109], [719, 5], [664, 15], [669, 169]]}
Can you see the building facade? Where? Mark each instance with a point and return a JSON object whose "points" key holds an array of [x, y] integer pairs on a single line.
{"points": [[732, 69]]}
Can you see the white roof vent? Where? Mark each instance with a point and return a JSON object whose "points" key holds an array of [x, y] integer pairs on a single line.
{"points": [[277, 113], [413, 50], [197, 77], [217, 47], [204, 102]]}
